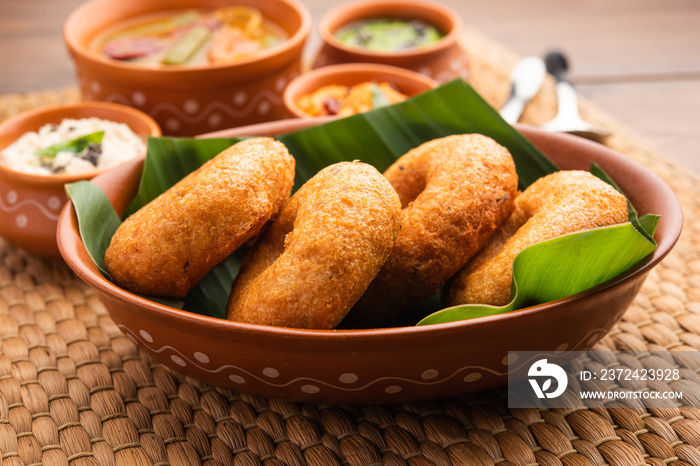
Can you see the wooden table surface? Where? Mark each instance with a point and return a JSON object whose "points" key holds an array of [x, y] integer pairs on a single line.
{"points": [[638, 60]]}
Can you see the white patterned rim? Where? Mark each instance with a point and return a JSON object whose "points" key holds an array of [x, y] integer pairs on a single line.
{"points": [[347, 381], [13, 204], [241, 105]]}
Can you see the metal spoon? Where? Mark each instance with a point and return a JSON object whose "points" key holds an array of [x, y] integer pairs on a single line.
{"points": [[568, 119], [526, 79]]}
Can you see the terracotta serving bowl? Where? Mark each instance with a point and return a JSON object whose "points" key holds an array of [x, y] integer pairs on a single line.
{"points": [[378, 365], [407, 82], [443, 61], [30, 204], [194, 99]]}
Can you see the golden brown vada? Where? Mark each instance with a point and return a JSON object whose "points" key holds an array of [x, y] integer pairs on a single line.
{"points": [[560, 203], [169, 245], [454, 192], [317, 258]]}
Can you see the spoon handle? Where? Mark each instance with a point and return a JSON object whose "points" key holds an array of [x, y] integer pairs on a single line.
{"points": [[512, 109], [567, 118], [557, 66], [526, 80]]}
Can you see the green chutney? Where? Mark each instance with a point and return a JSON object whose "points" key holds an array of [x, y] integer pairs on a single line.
{"points": [[388, 35]]}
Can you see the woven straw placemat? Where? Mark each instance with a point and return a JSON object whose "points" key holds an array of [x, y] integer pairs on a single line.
{"points": [[74, 390]]}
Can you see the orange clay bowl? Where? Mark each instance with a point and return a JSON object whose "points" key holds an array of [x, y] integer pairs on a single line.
{"points": [[189, 100], [387, 364], [30, 204], [407, 82], [443, 61]]}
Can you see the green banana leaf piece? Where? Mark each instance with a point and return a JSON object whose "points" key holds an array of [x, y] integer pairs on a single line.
{"points": [[564, 266], [377, 137], [97, 220], [168, 161], [631, 211]]}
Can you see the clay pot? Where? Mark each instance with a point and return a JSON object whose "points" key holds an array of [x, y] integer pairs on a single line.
{"points": [[386, 364], [194, 99], [30, 204], [407, 82], [442, 61]]}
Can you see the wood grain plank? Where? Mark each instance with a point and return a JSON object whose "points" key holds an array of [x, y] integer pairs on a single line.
{"points": [[665, 113], [607, 38]]}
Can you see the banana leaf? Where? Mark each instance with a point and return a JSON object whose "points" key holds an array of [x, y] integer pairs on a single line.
{"points": [[97, 220], [564, 266], [377, 137], [168, 161]]}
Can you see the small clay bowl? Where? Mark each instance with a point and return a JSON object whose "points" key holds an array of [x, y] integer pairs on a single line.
{"points": [[442, 61], [189, 100], [386, 364], [407, 82], [30, 204]]}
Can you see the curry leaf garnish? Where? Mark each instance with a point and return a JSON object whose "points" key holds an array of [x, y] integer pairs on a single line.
{"points": [[74, 146]]}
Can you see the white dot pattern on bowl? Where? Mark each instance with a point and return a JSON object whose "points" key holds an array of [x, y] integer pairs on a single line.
{"points": [[257, 101], [240, 98], [214, 120], [50, 210], [22, 221], [146, 336], [348, 378], [54, 202], [191, 106], [473, 377], [178, 360], [172, 124], [264, 107], [280, 84], [138, 98], [510, 359], [345, 381]]}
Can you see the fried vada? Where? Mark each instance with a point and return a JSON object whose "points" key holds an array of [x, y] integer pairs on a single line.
{"points": [[169, 245], [454, 192], [560, 203], [317, 258]]}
